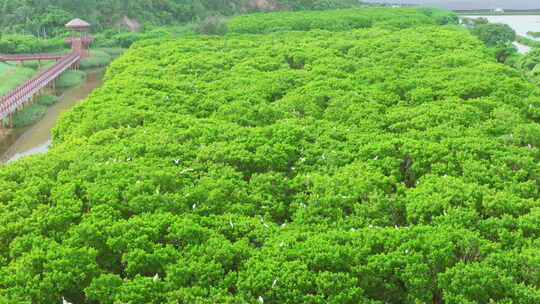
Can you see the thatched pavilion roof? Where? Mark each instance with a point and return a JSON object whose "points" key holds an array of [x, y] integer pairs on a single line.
{"points": [[77, 24]]}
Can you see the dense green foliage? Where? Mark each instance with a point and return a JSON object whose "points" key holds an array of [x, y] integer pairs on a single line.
{"points": [[212, 26], [47, 17], [30, 44], [494, 34], [97, 59], [29, 115], [341, 20], [112, 51], [46, 99], [441, 17], [375, 166], [497, 37], [530, 64], [530, 60], [112, 38]]}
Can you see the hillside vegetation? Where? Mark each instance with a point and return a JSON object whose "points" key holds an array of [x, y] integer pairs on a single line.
{"points": [[389, 164], [47, 17]]}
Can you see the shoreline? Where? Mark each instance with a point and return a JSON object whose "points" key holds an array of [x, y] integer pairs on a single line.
{"points": [[492, 13]]}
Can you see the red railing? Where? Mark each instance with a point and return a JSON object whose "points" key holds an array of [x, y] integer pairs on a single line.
{"points": [[16, 97], [27, 57], [83, 40]]}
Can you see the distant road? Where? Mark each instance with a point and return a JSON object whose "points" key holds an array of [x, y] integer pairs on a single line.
{"points": [[469, 4]]}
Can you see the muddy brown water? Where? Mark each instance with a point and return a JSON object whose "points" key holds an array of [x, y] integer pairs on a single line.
{"points": [[35, 139]]}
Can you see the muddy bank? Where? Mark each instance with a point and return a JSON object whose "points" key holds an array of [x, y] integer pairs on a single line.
{"points": [[37, 138]]}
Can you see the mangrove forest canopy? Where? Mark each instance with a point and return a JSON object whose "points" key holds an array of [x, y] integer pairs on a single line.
{"points": [[352, 156]]}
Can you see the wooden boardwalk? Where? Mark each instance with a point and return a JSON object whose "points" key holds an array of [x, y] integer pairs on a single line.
{"points": [[17, 98]]}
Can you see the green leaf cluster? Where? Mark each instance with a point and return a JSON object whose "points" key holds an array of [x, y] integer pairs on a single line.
{"points": [[493, 34], [46, 99], [97, 58], [10, 44], [29, 115]]}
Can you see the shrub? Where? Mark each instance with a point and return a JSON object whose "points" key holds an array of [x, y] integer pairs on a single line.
{"points": [[29, 115], [212, 26], [112, 51], [97, 59], [530, 60], [125, 40], [19, 44], [494, 34], [442, 17], [46, 99], [70, 78], [503, 51], [30, 44]]}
